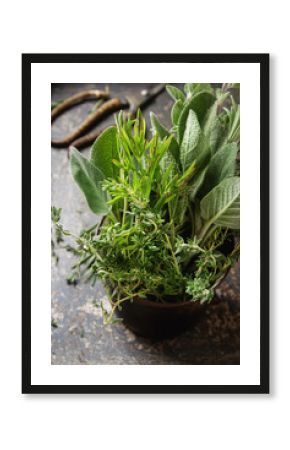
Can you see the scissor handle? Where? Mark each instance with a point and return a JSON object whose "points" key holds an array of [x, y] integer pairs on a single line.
{"points": [[86, 140], [75, 99], [95, 116]]}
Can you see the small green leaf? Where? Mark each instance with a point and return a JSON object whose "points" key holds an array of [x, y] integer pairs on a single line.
{"points": [[175, 93], [104, 151], [88, 177], [190, 140], [55, 214]]}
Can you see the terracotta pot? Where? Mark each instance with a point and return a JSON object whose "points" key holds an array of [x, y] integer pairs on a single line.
{"points": [[153, 319], [159, 320]]}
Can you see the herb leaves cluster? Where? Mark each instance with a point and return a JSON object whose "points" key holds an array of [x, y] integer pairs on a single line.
{"points": [[170, 203]]}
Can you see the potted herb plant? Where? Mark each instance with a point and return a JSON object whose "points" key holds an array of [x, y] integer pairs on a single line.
{"points": [[171, 209]]}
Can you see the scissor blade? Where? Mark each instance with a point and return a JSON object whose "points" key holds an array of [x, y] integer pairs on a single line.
{"points": [[141, 99]]}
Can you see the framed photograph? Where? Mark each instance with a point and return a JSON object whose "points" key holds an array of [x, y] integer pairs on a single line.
{"points": [[145, 221]]}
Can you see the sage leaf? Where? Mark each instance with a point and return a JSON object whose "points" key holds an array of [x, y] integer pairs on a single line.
{"points": [[211, 126], [88, 177], [222, 165], [175, 93], [202, 156], [198, 181], [176, 111], [104, 151], [190, 140], [234, 124], [221, 206], [189, 88], [199, 103], [201, 153]]}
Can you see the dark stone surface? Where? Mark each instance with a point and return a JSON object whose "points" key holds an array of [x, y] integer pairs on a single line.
{"points": [[78, 335]]}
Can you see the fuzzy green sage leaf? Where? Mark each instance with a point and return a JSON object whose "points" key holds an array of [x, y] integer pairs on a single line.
{"points": [[104, 151], [89, 178], [221, 206], [190, 140]]}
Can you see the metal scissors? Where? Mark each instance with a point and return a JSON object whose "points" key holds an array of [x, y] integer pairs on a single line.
{"points": [[132, 102]]}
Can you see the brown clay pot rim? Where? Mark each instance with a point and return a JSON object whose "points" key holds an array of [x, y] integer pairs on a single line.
{"points": [[154, 304]]}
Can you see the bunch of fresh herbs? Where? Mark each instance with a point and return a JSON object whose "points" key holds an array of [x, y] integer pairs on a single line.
{"points": [[170, 203]]}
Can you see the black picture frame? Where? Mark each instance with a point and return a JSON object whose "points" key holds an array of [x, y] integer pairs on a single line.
{"points": [[27, 61]]}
